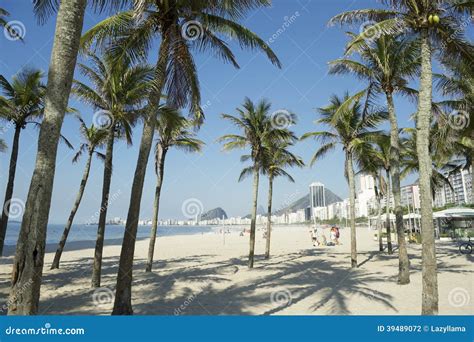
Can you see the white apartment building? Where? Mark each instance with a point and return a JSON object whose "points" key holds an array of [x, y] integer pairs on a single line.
{"points": [[461, 191]]}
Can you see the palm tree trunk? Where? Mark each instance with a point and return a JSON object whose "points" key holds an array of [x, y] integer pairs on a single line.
{"points": [[379, 217], [29, 258], [423, 121], [387, 210], [403, 261], [350, 176], [62, 242], [104, 204], [161, 155], [269, 216], [9, 190], [254, 214], [123, 292], [472, 178]]}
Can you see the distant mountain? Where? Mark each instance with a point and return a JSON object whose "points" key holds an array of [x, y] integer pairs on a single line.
{"points": [[304, 202], [217, 213]]}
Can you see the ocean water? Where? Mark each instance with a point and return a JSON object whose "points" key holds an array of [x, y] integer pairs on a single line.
{"points": [[82, 232]]}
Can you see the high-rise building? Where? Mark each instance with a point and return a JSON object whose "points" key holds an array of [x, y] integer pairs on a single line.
{"points": [[458, 191], [365, 192], [317, 195], [410, 196]]}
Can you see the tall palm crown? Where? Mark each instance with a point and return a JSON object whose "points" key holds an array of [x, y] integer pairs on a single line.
{"points": [[386, 63], [353, 129], [181, 25], [174, 130], [411, 17], [375, 155], [277, 157], [22, 99], [458, 84], [439, 154], [93, 138], [256, 127], [119, 89]]}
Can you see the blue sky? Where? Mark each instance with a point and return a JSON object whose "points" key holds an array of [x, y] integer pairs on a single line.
{"points": [[302, 85]]}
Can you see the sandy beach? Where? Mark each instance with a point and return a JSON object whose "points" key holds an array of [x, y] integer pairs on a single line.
{"points": [[207, 275]]}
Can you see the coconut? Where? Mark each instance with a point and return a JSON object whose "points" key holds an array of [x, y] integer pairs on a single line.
{"points": [[430, 19], [436, 19]]}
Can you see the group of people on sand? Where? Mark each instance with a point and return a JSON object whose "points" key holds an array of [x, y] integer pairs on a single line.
{"points": [[319, 238]]}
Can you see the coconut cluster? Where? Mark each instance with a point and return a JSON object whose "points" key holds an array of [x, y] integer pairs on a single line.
{"points": [[433, 19]]}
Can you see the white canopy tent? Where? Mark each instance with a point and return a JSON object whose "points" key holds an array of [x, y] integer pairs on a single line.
{"points": [[455, 213]]}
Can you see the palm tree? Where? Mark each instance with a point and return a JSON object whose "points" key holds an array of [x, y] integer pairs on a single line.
{"points": [[21, 104], [8, 27], [351, 128], [174, 131], [256, 127], [441, 37], [386, 64], [119, 90], [380, 154], [440, 156], [179, 26], [277, 157], [459, 85], [3, 20], [29, 257], [374, 160], [93, 139]]}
